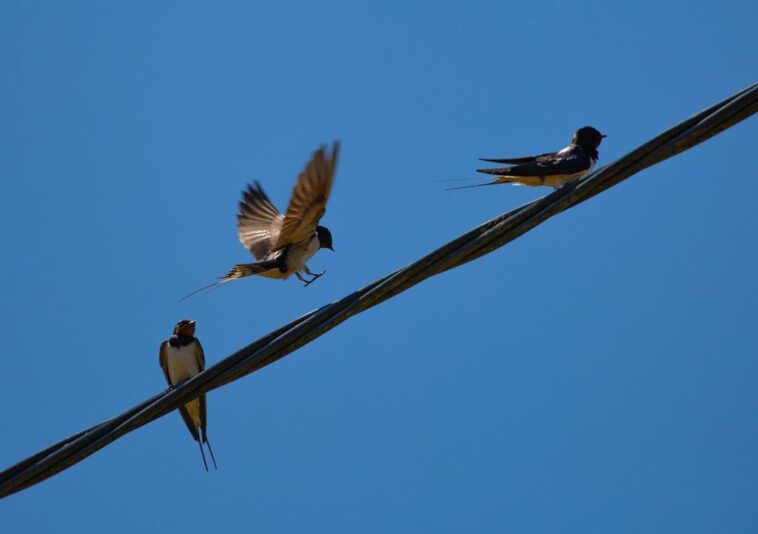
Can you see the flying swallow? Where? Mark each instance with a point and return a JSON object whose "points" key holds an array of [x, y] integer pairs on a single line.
{"points": [[283, 243], [553, 169], [181, 357]]}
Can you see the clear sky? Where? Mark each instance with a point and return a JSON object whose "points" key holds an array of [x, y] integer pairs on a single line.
{"points": [[596, 375]]}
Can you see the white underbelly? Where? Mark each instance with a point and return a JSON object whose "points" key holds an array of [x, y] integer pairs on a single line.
{"points": [[558, 181], [299, 254], [592, 166], [182, 364]]}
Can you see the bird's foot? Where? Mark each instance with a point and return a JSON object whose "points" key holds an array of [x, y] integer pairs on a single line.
{"points": [[315, 277]]}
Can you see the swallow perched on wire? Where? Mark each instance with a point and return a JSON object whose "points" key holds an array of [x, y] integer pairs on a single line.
{"points": [[283, 243], [181, 357], [553, 169]]}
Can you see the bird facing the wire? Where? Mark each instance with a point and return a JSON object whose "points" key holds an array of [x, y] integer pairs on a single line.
{"points": [[283, 243], [181, 357], [553, 169]]}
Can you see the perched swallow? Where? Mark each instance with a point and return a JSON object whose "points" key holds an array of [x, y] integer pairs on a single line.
{"points": [[181, 357], [553, 169], [283, 244]]}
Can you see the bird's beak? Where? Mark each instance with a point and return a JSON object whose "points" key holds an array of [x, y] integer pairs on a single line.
{"points": [[191, 323], [330, 248], [602, 136]]}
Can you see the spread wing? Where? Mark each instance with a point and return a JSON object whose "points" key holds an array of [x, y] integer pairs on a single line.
{"points": [[258, 221], [546, 165], [308, 202], [162, 361]]}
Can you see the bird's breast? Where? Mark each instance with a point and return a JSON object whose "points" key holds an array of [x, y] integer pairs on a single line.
{"points": [[182, 364], [589, 169], [557, 180], [300, 253]]}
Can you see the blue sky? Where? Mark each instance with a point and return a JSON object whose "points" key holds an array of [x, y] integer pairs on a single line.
{"points": [[596, 375]]}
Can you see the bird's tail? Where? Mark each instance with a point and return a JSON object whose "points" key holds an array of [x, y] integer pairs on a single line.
{"points": [[209, 287], [475, 185], [533, 181], [202, 453], [210, 450], [504, 177], [240, 270]]}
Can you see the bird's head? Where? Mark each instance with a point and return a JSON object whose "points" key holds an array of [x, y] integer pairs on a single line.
{"points": [[324, 237], [587, 137], [185, 327]]}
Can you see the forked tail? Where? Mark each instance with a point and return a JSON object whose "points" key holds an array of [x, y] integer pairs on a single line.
{"points": [[475, 185], [202, 453], [209, 287], [241, 270], [210, 450]]}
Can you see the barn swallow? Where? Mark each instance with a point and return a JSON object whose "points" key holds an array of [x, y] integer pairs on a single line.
{"points": [[181, 357], [553, 169], [283, 243]]}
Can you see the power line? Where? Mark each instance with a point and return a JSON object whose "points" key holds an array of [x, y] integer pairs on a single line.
{"points": [[468, 247]]}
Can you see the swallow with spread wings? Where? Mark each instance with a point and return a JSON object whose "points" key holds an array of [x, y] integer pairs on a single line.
{"points": [[283, 243]]}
